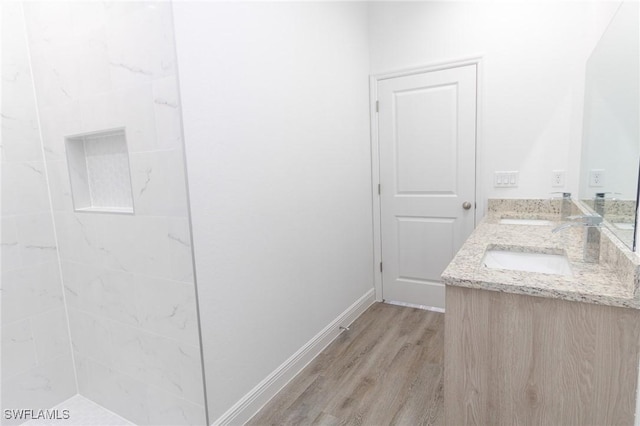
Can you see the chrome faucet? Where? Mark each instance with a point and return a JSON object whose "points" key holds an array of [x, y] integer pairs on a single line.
{"points": [[599, 201], [565, 208], [591, 224]]}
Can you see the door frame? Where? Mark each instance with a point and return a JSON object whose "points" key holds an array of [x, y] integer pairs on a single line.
{"points": [[375, 149]]}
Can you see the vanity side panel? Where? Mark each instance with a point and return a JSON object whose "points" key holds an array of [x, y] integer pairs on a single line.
{"points": [[516, 359]]}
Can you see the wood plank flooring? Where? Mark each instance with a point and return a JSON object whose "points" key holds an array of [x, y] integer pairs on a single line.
{"points": [[386, 370]]}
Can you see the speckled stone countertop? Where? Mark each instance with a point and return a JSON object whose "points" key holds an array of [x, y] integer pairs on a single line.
{"points": [[614, 281]]}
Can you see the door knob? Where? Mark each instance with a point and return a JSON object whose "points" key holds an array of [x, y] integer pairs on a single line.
{"points": [[466, 205]]}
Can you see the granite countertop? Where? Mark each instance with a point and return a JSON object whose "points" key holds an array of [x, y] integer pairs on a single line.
{"points": [[613, 281]]}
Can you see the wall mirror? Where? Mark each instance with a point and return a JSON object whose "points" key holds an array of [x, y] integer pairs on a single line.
{"points": [[611, 130]]}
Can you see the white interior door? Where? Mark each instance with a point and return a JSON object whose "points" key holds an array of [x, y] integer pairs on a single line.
{"points": [[427, 143]]}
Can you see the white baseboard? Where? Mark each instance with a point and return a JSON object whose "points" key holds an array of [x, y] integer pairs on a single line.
{"points": [[252, 402], [413, 305]]}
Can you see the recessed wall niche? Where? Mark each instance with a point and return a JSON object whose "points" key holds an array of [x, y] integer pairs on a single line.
{"points": [[99, 171]]}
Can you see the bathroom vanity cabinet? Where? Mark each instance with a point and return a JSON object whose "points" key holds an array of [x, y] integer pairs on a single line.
{"points": [[523, 347], [518, 359]]}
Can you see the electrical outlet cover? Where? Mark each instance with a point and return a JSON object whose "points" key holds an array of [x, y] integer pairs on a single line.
{"points": [[596, 178], [557, 178]]}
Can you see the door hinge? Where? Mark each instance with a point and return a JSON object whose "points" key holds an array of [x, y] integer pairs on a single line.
{"points": [[380, 266], [379, 189], [377, 106]]}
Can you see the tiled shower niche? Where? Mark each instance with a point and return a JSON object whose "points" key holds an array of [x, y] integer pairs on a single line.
{"points": [[99, 171]]}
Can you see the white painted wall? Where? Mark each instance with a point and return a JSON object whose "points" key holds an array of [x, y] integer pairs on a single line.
{"points": [[275, 105], [532, 79]]}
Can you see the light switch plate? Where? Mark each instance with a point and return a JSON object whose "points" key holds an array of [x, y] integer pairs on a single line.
{"points": [[507, 179]]}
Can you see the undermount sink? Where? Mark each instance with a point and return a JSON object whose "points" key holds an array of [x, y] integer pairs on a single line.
{"points": [[533, 222], [544, 263]]}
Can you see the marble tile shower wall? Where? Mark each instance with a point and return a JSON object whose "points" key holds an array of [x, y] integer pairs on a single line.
{"points": [[128, 278], [37, 367]]}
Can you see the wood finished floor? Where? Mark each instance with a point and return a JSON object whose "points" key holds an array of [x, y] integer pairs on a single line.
{"points": [[386, 370]]}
